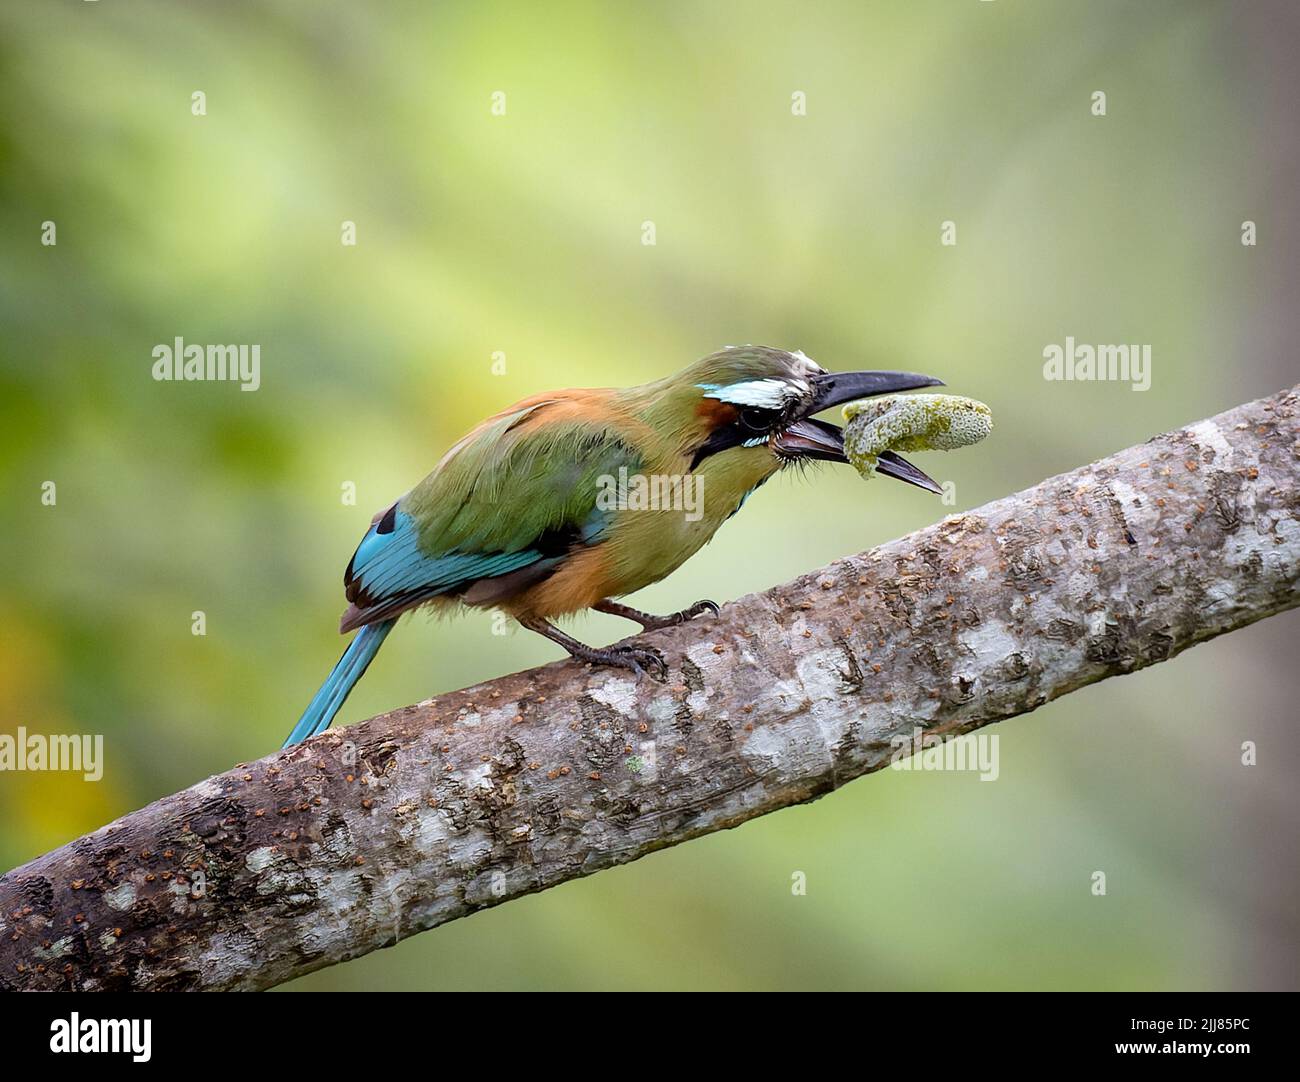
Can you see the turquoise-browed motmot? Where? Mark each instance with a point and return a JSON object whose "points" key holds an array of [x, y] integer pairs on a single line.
{"points": [[516, 516]]}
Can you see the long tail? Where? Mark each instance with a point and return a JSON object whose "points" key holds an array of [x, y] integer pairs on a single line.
{"points": [[360, 652]]}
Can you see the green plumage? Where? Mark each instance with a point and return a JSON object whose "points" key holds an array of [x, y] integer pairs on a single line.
{"points": [[507, 485]]}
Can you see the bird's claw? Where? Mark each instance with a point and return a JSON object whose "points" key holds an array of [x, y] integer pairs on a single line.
{"points": [[638, 659], [676, 619]]}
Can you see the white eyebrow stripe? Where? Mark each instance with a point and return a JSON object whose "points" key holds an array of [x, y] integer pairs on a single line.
{"points": [[763, 393]]}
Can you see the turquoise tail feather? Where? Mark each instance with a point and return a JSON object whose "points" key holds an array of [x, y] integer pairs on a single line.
{"points": [[360, 652]]}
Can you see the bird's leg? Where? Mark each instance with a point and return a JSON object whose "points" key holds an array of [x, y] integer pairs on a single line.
{"points": [[636, 658], [648, 620]]}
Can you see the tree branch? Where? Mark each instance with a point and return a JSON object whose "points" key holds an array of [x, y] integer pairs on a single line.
{"points": [[366, 835]]}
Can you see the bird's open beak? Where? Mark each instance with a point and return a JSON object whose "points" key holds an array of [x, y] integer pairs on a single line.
{"points": [[823, 441]]}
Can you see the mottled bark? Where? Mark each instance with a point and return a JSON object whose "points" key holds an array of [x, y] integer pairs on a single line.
{"points": [[368, 834]]}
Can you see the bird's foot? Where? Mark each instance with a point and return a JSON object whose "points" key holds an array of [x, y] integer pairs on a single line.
{"points": [[649, 621], [654, 623], [639, 659]]}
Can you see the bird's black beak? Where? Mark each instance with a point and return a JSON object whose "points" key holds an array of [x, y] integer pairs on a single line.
{"points": [[820, 440], [836, 388]]}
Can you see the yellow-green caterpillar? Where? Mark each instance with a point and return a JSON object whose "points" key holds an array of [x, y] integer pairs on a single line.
{"points": [[911, 422]]}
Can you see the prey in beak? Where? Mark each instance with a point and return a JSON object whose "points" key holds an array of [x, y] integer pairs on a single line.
{"points": [[810, 439]]}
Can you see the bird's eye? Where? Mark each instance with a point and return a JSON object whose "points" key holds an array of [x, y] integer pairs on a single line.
{"points": [[755, 419]]}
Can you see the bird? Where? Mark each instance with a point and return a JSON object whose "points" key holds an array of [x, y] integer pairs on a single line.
{"points": [[524, 513]]}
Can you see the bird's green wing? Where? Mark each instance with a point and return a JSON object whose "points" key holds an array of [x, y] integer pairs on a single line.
{"points": [[520, 492]]}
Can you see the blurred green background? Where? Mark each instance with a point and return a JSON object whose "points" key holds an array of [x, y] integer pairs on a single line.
{"points": [[521, 234]]}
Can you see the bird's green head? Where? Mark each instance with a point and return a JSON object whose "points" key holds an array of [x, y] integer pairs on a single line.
{"points": [[750, 409]]}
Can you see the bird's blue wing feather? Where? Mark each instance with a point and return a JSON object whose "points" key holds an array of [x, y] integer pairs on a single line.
{"points": [[389, 569]]}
